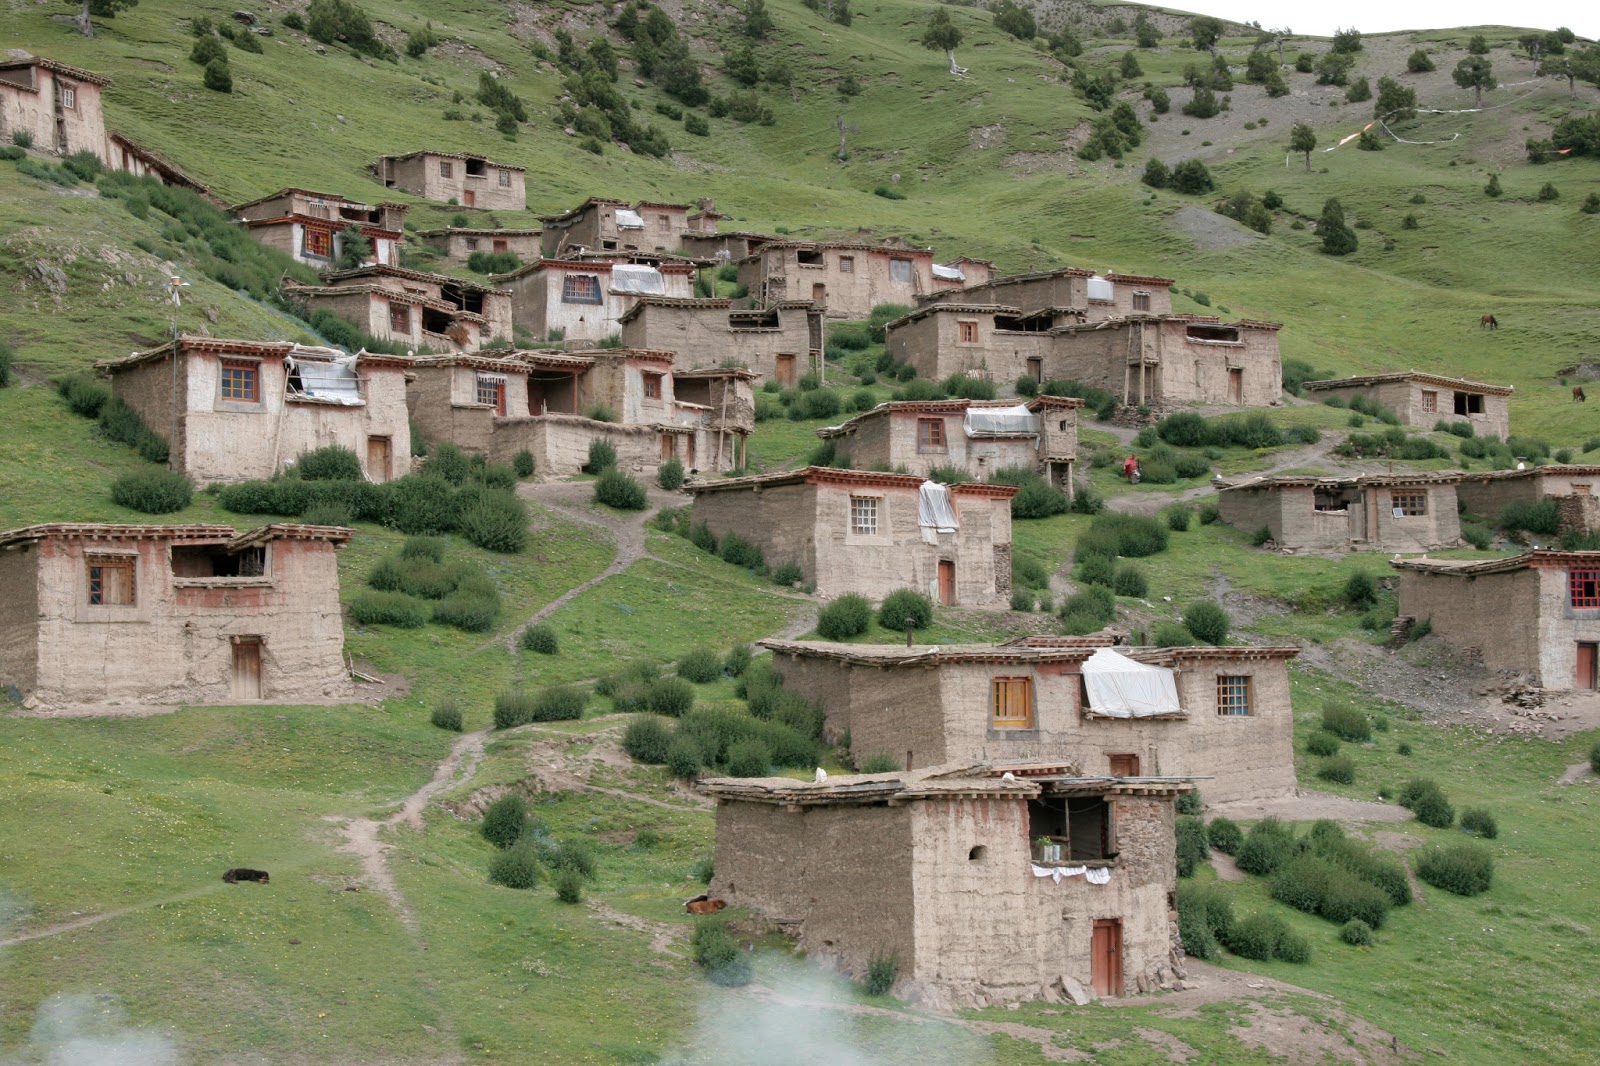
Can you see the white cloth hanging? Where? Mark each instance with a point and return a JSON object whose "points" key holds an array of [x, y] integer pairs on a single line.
{"points": [[1122, 688]]}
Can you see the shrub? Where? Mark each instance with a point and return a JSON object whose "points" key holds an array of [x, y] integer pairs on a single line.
{"points": [[329, 513], [1137, 536], [522, 463], [1322, 743], [1434, 809], [1360, 591], [1204, 915], [1094, 603], [516, 867], [602, 454], [504, 820], [787, 574], [740, 552], [701, 665], [332, 463], [1130, 581], [418, 504], [1339, 768], [389, 609], [1189, 802], [1594, 759], [618, 490], [879, 763], [1207, 621], [8, 359], [684, 758], [717, 952], [1192, 848], [541, 638], [647, 739], [569, 886], [1357, 933], [1267, 845], [472, 610], [738, 660], [1022, 599], [153, 491], [1478, 820], [512, 709], [670, 696], [1257, 937], [1224, 835], [448, 716], [905, 609], [1178, 517], [1346, 722], [1465, 869], [670, 475], [218, 77], [1542, 517], [748, 758], [495, 521], [848, 616]]}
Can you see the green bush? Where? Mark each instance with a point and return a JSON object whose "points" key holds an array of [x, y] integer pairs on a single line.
{"points": [[1130, 581], [332, 463], [1465, 869], [1543, 517], [1095, 570], [1594, 759], [1435, 810], [1137, 536], [513, 709], [1346, 722], [1189, 802], [740, 552], [905, 609], [516, 867], [878, 763], [717, 952], [389, 609], [1412, 791], [1479, 821], [1192, 848], [616, 489], [559, 703], [504, 820], [848, 616], [748, 758], [495, 521], [737, 660], [670, 475], [702, 665], [1224, 835], [522, 463], [647, 739], [569, 886], [153, 491], [541, 638], [1207, 621], [684, 758], [670, 696], [1318, 885], [1267, 845], [1205, 915], [1322, 743], [1257, 937], [1178, 517], [1339, 768], [602, 455], [121, 423], [1357, 933], [1168, 634], [1022, 599], [419, 504], [448, 716], [787, 574], [471, 610]]}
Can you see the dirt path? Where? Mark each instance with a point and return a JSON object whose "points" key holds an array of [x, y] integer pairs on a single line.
{"points": [[1402, 844], [104, 916], [1318, 454], [664, 937], [1575, 773]]}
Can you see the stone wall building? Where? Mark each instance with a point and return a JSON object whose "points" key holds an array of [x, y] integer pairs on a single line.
{"points": [[1424, 400], [1486, 493], [309, 226], [456, 243], [1093, 297], [778, 343], [421, 310], [1373, 512], [236, 410], [545, 403], [847, 279], [1536, 615], [978, 436], [930, 705], [584, 299], [600, 224], [856, 531], [948, 871], [133, 614], [456, 177], [57, 105]]}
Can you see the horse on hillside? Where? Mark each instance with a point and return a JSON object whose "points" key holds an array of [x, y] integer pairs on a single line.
{"points": [[1488, 322]]}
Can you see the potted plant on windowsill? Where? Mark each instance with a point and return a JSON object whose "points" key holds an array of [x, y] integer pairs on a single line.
{"points": [[1046, 850]]}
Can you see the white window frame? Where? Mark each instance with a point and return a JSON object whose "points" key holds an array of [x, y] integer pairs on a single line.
{"points": [[866, 514]]}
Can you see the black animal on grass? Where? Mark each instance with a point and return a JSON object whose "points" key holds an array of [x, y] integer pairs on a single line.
{"points": [[242, 873]]}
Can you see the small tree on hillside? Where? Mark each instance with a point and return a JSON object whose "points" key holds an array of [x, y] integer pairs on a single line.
{"points": [[354, 249], [1395, 101], [1303, 138], [1419, 62], [1130, 66], [1337, 237], [1205, 31], [942, 35], [1017, 21], [757, 23], [1347, 42], [1478, 45], [1563, 66], [106, 9], [1144, 31], [1475, 73]]}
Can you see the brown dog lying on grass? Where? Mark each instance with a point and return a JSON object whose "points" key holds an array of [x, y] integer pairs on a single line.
{"points": [[703, 904], [242, 873]]}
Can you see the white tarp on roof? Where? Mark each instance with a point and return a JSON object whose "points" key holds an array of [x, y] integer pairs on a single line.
{"points": [[1000, 420], [628, 219], [1100, 289], [948, 273], [934, 513], [1122, 688], [332, 379], [632, 277]]}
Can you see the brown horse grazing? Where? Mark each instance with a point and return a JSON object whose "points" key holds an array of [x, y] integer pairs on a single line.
{"points": [[1578, 396], [1488, 322]]}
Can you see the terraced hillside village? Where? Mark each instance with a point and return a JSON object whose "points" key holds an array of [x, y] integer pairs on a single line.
{"points": [[510, 636]]}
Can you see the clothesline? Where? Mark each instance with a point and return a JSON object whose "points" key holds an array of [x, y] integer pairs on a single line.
{"points": [[1097, 875]]}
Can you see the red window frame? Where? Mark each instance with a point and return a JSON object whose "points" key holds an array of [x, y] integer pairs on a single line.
{"points": [[1583, 588]]}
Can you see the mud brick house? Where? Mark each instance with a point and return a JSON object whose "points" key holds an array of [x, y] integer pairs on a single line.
{"points": [[977, 436], [456, 178], [456, 243], [542, 401], [109, 614], [857, 531], [125, 153], [309, 226], [961, 272], [1218, 711], [724, 246], [1536, 615], [847, 279], [1424, 400], [1374, 512], [236, 410], [585, 299], [604, 225], [57, 105], [777, 343], [1090, 296], [1573, 488], [411, 307], [990, 884], [1156, 360]]}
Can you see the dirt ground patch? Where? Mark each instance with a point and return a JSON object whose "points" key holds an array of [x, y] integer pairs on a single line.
{"points": [[1578, 771], [1303, 1042], [1307, 805], [1210, 230]]}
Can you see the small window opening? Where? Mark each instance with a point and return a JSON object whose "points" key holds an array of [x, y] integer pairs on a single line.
{"points": [[978, 853], [1469, 403], [212, 560], [1200, 332], [476, 168], [809, 258]]}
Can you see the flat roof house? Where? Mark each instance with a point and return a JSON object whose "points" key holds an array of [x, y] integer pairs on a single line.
{"points": [[585, 299], [95, 614], [1486, 493], [308, 226], [990, 884], [857, 531], [777, 343], [1536, 615], [463, 178], [1217, 711], [1373, 512], [422, 310], [457, 243], [58, 106], [1424, 400], [235, 410], [847, 279], [1093, 297], [601, 224], [977, 436], [542, 402]]}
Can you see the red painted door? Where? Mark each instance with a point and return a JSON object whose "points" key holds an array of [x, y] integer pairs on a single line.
{"points": [[1105, 957], [947, 582], [1588, 655], [469, 198]]}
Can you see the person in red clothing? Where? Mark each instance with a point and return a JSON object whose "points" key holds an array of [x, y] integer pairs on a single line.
{"points": [[1130, 467]]}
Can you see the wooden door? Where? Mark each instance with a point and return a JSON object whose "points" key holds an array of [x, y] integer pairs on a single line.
{"points": [[785, 371], [247, 668], [688, 452], [1105, 957], [667, 447], [378, 458], [1235, 386], [819, 293], [500, 245], [947, 582], [469, 198], [1588, 658], [500, 399], [1123, 765], [1036, 368]]}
